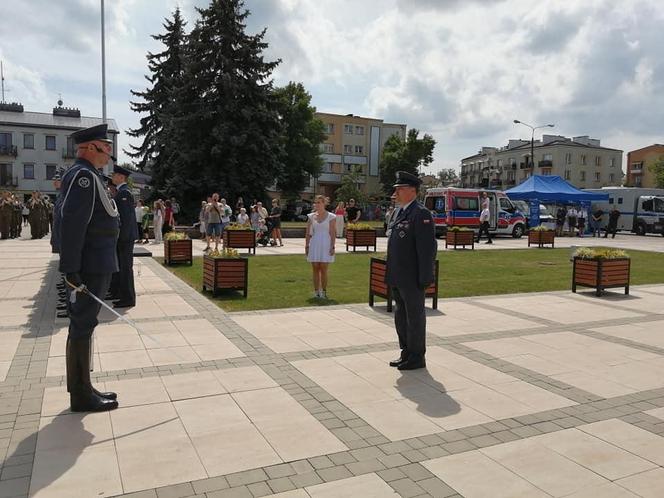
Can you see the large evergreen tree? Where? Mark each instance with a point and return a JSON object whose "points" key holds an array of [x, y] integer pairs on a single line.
{"points": [[227, 134], [302, 135], [157, 101], [405, 155]]}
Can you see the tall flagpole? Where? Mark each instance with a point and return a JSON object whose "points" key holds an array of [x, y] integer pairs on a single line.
{"points": [[103, 66]]}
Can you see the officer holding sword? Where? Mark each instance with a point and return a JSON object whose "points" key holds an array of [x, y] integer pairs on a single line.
{"points": [[89, 227]]}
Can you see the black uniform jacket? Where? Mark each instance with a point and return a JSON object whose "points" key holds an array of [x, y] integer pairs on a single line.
{"points": [[125, 202], [88, 234], [411, 248]]}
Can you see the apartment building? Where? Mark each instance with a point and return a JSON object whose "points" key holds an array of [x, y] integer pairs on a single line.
{"points": [[582, 161], [353, 144], [34, 145], [639, 162]]}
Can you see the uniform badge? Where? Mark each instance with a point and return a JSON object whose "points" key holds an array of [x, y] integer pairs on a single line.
{"points": [[84, 182], [426, 221], [402, 234]]}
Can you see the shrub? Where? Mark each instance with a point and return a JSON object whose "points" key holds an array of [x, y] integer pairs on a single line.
{"points": [[224, 253], [600, 253], [459, 229], [175, 236], [359, 226]]}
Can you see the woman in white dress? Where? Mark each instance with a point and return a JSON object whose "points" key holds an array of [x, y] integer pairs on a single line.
{"points": [[158, 222], [319, 244]]}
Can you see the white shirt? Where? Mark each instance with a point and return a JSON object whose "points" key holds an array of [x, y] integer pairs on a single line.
{"points": [[485, 215], [140, 212], [243, 218], [225, 213]]}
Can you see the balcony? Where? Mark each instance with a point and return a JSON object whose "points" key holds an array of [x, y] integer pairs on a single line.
{"points": [[525, 166], [329, 178], [68, 154], [8, 150], [546, 163]]}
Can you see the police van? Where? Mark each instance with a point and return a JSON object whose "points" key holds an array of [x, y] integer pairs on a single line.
{"points": [[451, 206], [641, 209]]}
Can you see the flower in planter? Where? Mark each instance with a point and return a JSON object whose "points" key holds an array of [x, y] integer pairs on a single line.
{"points": [[175, 236], [359, 226], [541, 228], [224, 253], [599, 253], [237, 226], [459, 229]]}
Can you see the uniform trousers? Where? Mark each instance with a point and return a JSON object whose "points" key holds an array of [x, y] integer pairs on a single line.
{"points": [[410, 319], [125, 290], [83, 313]]}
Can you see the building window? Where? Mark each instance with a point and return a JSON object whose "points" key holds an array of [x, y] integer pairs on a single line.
{"points": [[328, 148], [583, 159], [598, 160], [598, 176], [327, 168], [348, 129], [637, 181], [28, 141], [612, 177], [568, 158], [348, 149], [548, 157], [353, 168], [359, 149], [612, 162], [546, 172], [582, 176], [359, 130], [329, 128], [5, 175], [50, 142], [50, 171], [499, 163], [29, 171], [5, 141], [568, 174]]}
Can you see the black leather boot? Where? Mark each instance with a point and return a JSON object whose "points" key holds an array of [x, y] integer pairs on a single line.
{"points": [[107, 395], [81, 394], [413, 362], [403, 358]]}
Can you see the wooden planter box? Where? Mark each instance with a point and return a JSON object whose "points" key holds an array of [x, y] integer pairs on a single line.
{"points": [[177, 251], [541, 238], [378, 287], [601, 274], [240, 239], [225, 273], [460, 238], [361, 238]]}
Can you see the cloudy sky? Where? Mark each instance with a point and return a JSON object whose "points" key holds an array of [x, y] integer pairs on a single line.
{"points": [[461, 70]]}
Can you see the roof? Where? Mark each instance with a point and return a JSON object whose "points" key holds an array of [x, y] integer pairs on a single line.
{"points": [[646, 148], [546, 188], [539, 144], [48, 120]]}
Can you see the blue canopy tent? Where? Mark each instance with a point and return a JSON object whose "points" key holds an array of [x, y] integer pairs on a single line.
{"points": [[539, 188], [551, 189]]}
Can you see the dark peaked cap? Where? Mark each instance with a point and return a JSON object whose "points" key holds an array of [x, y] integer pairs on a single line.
{"points": [[121, 171], [405, 179], [98, 132]]}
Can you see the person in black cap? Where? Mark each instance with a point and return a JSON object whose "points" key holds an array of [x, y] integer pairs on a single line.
{"points": [[411, 254], [88, 235], [124, 288]]}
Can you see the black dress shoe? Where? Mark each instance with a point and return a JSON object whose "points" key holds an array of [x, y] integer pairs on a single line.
{"points": [[121, 304], [413, 363], [397, 362], [109, 395]]}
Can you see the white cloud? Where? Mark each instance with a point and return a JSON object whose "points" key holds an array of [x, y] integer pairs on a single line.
{"points": [[461, 70]]}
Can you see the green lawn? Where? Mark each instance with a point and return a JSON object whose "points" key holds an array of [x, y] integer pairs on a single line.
{"points": [[285, 281]]}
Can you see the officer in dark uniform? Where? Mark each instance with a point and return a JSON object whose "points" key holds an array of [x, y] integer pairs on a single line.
{"points": [[88, 236], [63, 306], [125, 291], [411, 254]]}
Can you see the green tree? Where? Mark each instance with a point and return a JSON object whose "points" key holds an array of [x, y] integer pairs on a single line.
{"points": [[157, 101], [226, 134], [302, 135], [447, 176], [405, 155], [657, 168], [350, 189]]}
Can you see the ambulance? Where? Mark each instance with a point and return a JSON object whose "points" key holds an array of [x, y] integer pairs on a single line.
{"points": [[451, 206]]}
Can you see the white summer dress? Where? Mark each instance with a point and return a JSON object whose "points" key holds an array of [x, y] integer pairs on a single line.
{"points": [[319, 244]]}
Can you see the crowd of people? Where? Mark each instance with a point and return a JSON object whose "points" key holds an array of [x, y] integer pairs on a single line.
{"points": [[36, 212], [572, 220]]}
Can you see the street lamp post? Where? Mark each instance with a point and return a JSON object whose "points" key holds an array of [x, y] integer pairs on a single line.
{"points": [[532, 138]]}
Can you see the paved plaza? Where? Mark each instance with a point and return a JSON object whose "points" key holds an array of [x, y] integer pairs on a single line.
{"points": [[535, 395]]}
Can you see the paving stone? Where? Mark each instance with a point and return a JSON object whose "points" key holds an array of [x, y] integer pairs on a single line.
{"points": [[176, 491], [281, 485], [258, 489], [365, 466], [281, 470], [334, 473], [321, 462], [246, 477], [436, 488], [306, 479], [240, 492], [406, 488], [416, 472]]}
